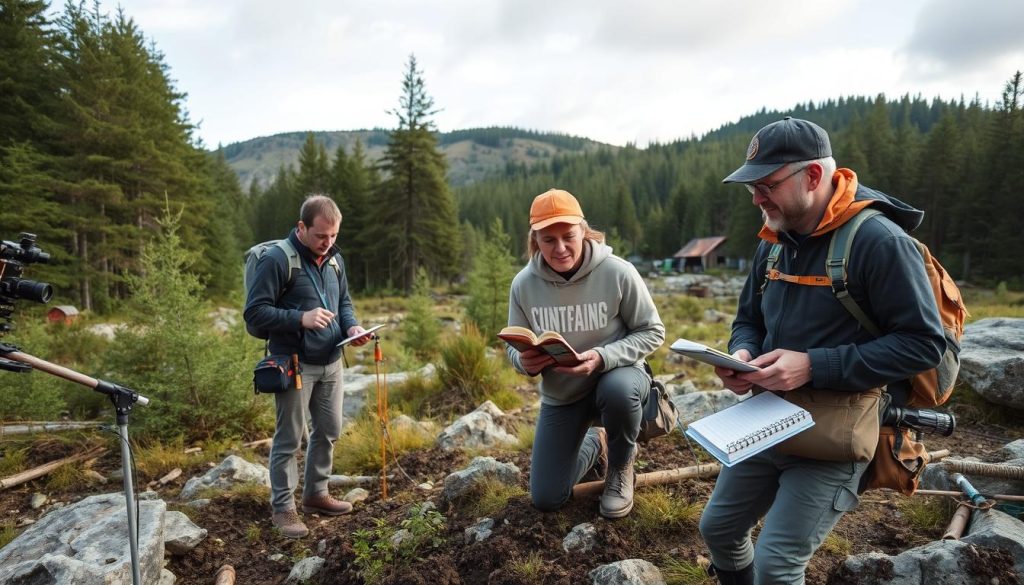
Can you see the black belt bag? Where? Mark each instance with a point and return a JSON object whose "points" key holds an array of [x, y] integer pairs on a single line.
{"points": [[275, 373]]}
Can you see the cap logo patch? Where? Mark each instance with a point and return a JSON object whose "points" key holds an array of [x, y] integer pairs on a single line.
{"points": [[752, 149]]}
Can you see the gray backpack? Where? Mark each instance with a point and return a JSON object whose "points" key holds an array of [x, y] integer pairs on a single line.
{"points": [[252, 256]]}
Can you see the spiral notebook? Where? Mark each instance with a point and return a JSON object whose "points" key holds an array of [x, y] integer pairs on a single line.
{"points": [[749, 427]]}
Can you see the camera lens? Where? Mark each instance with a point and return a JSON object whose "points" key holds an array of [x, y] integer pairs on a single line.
{"points": [[32, 290]]}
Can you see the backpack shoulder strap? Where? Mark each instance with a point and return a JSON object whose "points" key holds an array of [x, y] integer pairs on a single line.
{"points": [[294, 262], [773, 258], [835, 267]]}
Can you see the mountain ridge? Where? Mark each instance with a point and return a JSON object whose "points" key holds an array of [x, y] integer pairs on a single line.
{"points": [[472, 153]]}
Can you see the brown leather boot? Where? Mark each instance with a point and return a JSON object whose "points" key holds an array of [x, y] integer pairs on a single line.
{"points": [[600, 468], [326, 505], [289, 524], [617, 499]]}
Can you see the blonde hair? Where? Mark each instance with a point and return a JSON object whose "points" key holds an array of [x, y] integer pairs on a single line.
{"points": [[589, 233]]}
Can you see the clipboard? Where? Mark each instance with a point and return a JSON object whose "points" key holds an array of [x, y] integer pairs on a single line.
{"points": [[366, 333]]}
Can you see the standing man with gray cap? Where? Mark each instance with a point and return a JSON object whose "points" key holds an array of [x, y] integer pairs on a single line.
{"points": [[791, 325]]}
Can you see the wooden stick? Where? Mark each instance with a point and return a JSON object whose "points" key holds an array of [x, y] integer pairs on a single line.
{"points": [[258, 443], [938, 455], [225, 576], [42, 470], [1002, 497], [958, 523], [654, 478]]}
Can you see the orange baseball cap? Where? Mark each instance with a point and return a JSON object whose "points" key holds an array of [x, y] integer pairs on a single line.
{"points": [[554, 206]]}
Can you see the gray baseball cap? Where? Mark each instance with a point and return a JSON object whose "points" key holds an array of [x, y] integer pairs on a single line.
{"points": [[778, 144]]}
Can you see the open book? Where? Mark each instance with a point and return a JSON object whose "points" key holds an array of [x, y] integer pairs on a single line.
{"points": [[710, 355], [550, 342], [749, 427]]}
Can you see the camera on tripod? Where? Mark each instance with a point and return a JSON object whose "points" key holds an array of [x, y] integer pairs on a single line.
{"points": [[920, 420], [14, 256]]}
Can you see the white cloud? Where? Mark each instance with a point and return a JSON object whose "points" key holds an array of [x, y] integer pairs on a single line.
{"points": [[606, 69]]}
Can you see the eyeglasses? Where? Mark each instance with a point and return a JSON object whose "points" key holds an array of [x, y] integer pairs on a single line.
{"points": [[766, 190]]}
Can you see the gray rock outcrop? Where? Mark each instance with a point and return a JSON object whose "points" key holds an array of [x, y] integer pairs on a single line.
{"points": [[233, 470], [627, 572], [992, 360]]}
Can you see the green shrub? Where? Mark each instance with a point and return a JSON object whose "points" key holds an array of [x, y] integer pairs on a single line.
{"points": [[489, 282], [421, 331], [376, 555], [199, 381], [466, 371]]}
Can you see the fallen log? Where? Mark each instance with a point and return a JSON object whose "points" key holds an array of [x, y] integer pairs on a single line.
{"points": [[16, 428], [224, 576], [983, 469], [956, 494], [654, 478], [20, 478]]}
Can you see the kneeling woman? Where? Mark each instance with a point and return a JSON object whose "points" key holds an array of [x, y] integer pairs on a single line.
{"points": [[598, 302]]}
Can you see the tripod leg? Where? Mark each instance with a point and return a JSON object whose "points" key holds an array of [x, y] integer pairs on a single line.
{"points": [[129, 500]]}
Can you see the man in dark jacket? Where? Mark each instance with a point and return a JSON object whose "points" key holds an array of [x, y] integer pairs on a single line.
{"points": [[802, 337], [307, 313]]}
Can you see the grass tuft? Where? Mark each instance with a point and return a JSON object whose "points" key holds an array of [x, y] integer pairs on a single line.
{"points": [[529, 569], [680, 572], [358, 450], [490, 497], [658, 510], [7, 533]]}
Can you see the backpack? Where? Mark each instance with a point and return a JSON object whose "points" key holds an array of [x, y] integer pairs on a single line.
{"points": [[928, 388], [252, 256]]}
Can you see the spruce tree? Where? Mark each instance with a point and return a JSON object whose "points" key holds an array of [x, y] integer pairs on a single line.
{"points": [[416, 219]]}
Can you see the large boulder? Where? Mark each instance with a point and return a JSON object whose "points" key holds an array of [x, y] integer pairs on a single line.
{"points": [[233, 470], [992, 360], [86, 543]]}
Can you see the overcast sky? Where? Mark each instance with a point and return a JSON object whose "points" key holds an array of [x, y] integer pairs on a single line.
{"points": [[618, 72]]}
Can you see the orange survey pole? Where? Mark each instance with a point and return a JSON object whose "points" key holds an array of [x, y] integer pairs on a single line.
{"points": [[382, 416]]}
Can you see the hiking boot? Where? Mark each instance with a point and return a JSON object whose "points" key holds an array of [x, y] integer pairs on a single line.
{"points": [[600, 467], [326, 505], [617, 499], [289, 524], [744, 576]]}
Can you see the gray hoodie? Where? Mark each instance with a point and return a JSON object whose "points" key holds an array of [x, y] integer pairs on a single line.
{"points": [[605, 306]]}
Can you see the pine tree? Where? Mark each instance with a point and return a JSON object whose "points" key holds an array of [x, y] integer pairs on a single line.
{"points": [[416, 220], [489, 282]]}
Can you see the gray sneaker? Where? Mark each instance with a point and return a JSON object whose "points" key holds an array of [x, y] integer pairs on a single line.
{"points": [[617, 499], [289, 524]]}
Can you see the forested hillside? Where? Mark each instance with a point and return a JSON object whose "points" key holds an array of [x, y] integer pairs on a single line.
{"points": [[961, 162], [95, 145], [472, 154]]}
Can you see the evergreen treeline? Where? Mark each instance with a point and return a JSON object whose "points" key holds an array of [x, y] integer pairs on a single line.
{"points": [[399, 215], [93, 142], [959, 161]]}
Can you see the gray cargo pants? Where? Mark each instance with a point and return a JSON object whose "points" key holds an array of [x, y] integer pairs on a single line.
{"points": [[801, 501], [321, 396], [563, 450]]}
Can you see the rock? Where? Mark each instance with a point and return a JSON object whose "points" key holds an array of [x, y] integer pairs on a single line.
{"points": [[406, 423], [276, 557], [995, 529], [696, 405], [1013, 450], [399, 537], [490, 408], [321, 548], [992, 360], [200, 503], [479, 531], [167, 577], [935, 476], [86, 542], [356, 495], [627, 572], [336, 481], [305, 570], [357, 385], [93, 475], [581, 539], [37, 501], [180, 534], [476, 430], [425, 486], [460, 483], [944, 562], [233, 470]]}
